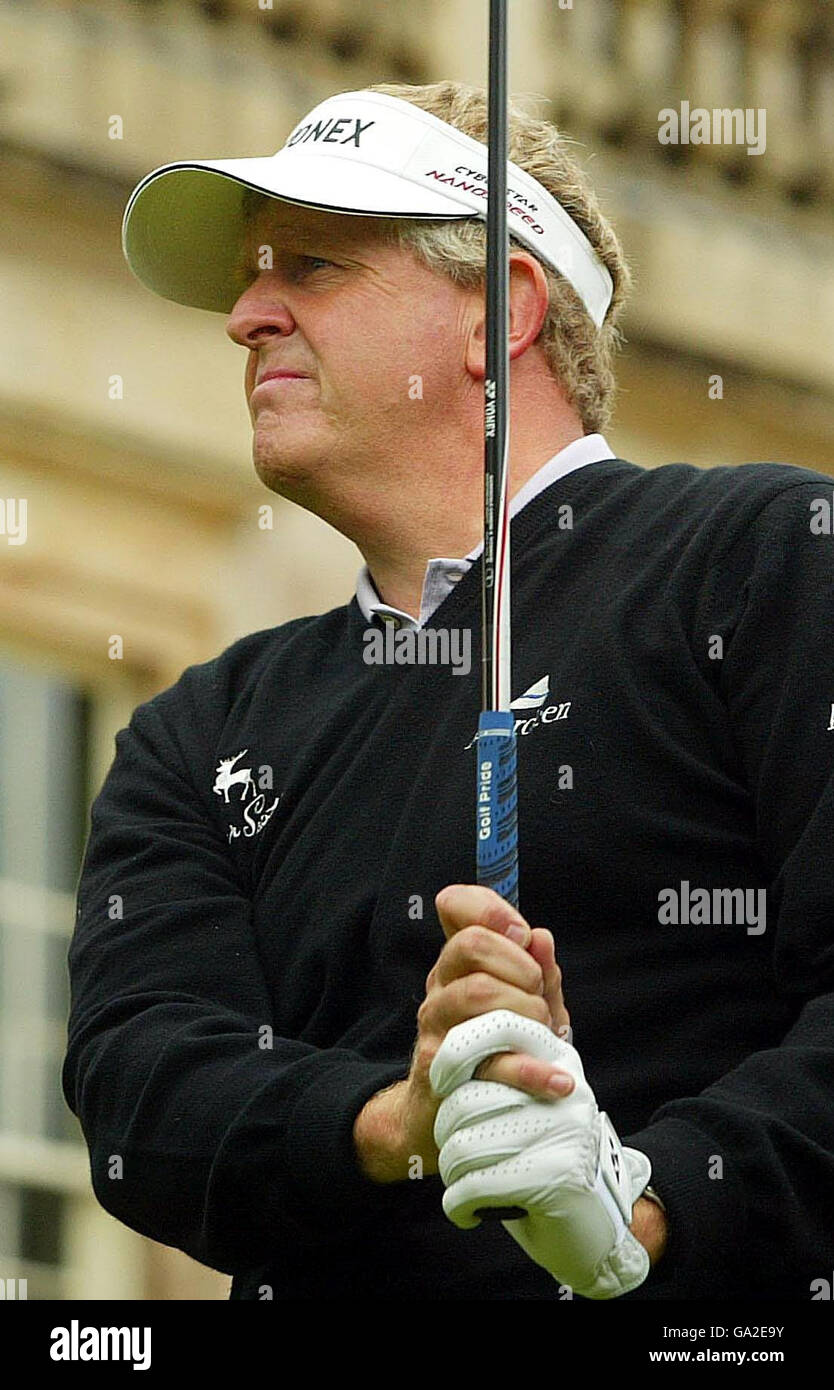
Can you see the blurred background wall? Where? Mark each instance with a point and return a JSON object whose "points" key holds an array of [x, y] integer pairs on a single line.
{"points": [[123, 423]]}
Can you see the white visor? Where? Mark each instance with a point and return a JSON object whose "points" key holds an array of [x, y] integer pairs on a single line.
{"points": [[357, 152]]}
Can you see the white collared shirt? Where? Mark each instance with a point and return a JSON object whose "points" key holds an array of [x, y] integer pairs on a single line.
{"points": [[443, 574]]}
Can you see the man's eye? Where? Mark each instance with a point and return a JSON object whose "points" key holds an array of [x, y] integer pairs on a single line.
{"points": [[319, 259]]}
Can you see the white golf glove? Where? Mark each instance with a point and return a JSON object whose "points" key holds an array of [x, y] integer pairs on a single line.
{"points": [[561, 1160]]}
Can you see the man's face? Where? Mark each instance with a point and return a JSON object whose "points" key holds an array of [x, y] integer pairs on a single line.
{"points": [[362, 321]]}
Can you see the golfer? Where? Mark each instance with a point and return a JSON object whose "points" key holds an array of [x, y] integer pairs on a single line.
{"points": [[304, 1046]]}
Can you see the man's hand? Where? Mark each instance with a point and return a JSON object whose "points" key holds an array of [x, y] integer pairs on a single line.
{"points": [[560, 1160], [481, 968]]}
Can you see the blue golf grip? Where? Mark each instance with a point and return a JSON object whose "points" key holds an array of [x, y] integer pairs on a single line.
{"points": [[497, 837], [496, 834]]}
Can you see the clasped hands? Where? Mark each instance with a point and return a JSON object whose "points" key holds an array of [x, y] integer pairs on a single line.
{"points": [[512, 1127], [557, 1156]]}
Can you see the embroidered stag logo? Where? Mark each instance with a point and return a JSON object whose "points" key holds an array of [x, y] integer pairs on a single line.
{"points": [[226, 778]]}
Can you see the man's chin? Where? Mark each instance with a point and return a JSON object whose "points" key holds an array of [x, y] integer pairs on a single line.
{"points": [[287, 473]]}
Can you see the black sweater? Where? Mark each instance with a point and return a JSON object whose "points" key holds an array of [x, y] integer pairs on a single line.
{"points": [[246, 973]]}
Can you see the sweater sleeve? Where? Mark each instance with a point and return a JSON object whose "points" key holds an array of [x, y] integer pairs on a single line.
{"points": [[763, 1218], [201, 1135]]}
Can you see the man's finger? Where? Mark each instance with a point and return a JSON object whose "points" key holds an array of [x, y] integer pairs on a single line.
{"points": [[543, 951], [526, 1073], [462, 905], [477, 994], [477, 948]]}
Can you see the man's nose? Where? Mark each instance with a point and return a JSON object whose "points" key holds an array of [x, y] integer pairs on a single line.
{"points": [[258, 311]]}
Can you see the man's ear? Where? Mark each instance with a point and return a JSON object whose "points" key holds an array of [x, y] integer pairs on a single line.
{"points": [[529, 300]]}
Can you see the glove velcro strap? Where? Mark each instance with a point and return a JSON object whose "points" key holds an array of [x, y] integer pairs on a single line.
{"points": [[613, 1181], [621, 1176]]}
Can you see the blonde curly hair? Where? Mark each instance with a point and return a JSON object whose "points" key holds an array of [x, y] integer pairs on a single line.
{"points": [[577, 353]]}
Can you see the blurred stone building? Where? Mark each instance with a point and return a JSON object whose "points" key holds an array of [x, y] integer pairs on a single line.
{"points": [[123, 425]]}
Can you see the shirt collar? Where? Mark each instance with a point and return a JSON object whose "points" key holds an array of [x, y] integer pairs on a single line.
{"points": [[443, 574]]}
